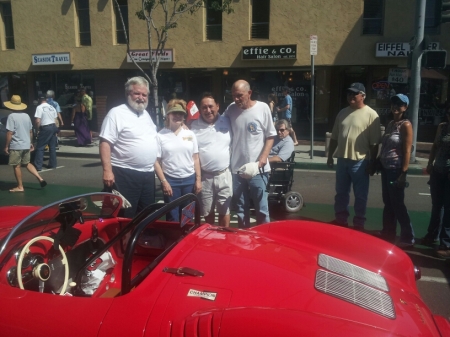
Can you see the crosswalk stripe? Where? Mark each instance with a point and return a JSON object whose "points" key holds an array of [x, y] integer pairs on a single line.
{"points": [[434, 279]]}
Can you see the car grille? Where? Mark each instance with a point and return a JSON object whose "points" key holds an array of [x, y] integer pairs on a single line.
{"points": [[352, 271], [355, 292]]}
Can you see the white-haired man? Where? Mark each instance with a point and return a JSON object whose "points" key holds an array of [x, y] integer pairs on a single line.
{"points": [[128, 147], [58, 121]]}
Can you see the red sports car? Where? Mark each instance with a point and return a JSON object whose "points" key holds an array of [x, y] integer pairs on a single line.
{"points": [[75, 268]]}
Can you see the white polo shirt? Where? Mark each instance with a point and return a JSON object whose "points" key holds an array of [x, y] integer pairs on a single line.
{"points": [[133, 138], [213, 143], [176, 152], [46, 113]]}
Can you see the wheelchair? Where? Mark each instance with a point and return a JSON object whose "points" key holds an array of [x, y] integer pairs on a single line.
{"points": [[280, 183]]}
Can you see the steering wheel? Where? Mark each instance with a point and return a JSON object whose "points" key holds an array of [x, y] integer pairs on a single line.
{"points": [[42, 271]]}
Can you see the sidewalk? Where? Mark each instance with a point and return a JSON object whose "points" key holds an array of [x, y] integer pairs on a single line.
{"points": [[68, 148]]}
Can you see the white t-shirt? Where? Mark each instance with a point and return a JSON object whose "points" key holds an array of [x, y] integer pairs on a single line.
{"points": [[213, 143], [133, 138], [250, 128], [46, 113], [176, 152]]}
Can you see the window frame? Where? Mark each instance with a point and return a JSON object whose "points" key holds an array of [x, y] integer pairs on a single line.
{"points": [[216, 28], [7, 41], [369, 19], [84, 20], [118, 23], [264, 26]]}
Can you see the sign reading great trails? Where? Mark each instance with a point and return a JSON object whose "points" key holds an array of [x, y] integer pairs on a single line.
{"points": [[270, 52]]}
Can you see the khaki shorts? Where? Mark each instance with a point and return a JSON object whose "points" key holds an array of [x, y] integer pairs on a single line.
{"points": [[19, 157], [217, 191]]}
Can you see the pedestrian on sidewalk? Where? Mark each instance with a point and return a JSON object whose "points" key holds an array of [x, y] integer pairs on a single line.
{"points": [[87, 102], [19, 142], [80, 123], [356, 135], [128, 148], [253, 134], [394, 157], [45, 124], [272, 101], [285, 112], [439, 170], [58, 121], [177, 164], [213, 133]]}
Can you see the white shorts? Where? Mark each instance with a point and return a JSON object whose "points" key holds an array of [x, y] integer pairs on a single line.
{"points": [[217, 191]]}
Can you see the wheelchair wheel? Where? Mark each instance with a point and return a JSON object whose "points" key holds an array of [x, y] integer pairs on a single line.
{"points": [[293, 202]]}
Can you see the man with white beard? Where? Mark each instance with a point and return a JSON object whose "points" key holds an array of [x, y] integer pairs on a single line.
{"points": [[128, 148]]}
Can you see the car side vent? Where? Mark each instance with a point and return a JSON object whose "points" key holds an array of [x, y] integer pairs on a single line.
{"points": [[352, 271], [355, 292]]}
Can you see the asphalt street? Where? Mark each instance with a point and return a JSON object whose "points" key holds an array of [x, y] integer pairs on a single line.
{"points": [[75, 176]]}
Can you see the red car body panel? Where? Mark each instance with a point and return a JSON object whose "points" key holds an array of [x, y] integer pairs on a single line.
{"points": [[258, 282]]}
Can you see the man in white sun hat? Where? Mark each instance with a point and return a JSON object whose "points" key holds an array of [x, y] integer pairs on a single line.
{"points": [[19, 143]]}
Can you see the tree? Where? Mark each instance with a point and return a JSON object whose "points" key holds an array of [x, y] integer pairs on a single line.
{"points": [[158, 32]]}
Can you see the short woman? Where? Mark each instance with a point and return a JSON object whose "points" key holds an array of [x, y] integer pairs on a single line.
{"points": [[272, 101], [394, 157], [80, 123], [439, 170], [177, 165]]}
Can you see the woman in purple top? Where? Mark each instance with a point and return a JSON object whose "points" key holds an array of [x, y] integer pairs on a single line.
{"points": [[394, 157], [439, 170]]}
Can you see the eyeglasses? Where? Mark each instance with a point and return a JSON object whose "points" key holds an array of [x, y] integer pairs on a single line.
{"points": [[281, 130]]}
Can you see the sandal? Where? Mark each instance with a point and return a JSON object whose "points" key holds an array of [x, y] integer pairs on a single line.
{"points": [[43, 183]]}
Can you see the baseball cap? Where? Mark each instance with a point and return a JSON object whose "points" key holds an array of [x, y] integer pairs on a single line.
{"points": [[176, 107], [357, 87], [400, 97]]}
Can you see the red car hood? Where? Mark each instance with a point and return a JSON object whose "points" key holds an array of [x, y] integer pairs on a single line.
{"points": [[274, 266]]}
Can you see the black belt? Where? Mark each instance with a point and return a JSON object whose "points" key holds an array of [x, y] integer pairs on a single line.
{"points": [[43, 126], [216, 173]]}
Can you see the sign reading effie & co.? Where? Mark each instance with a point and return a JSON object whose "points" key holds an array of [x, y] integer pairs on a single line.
{"points": [[270, 52]]}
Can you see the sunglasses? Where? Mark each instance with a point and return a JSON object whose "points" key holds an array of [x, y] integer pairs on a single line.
{"points": [[281, 130]]}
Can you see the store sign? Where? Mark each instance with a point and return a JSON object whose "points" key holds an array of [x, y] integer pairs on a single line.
{"points": [[398, 49], [398, 75], [144, 55], [50, 59], [270, 52]]}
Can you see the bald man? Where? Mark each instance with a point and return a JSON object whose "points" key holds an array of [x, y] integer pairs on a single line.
{"points": [[253, 135]]}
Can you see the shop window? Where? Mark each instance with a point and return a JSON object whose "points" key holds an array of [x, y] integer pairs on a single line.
{"points": [[84, 25], [121, 31], [373, 17], [8, 32], [213, 21], [260, 19]]}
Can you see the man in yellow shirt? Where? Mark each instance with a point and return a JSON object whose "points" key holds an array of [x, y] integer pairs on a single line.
{"points": [[86, 100], [356, 135]]}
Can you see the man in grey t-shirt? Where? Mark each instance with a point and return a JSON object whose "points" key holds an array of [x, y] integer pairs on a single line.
{"points": [[283, 145], [19, 142]]}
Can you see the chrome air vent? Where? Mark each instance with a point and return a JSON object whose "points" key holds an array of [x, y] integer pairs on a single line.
{"points": [[352, 271], [355, 292]]}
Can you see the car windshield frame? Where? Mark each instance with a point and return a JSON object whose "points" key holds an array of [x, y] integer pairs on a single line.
{"points": [[91, 205]]}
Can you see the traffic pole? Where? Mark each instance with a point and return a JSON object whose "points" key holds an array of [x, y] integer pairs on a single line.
{"points": [[312, 106], [416, 66]]}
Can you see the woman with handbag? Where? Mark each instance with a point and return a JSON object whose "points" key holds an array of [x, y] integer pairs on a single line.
{"points": [[394, 158]]}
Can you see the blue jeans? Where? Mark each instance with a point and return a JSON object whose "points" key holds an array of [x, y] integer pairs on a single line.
{"points": [[254, 189], [46, 136], [350, 172], [440, 197], [394, 208], [180, 187], [137, 187]]}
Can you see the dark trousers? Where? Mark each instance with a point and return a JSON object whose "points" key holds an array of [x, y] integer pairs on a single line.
{"points": [[180, 187], [46, 136], [137, 187], [394, 207], [440, 197]]}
